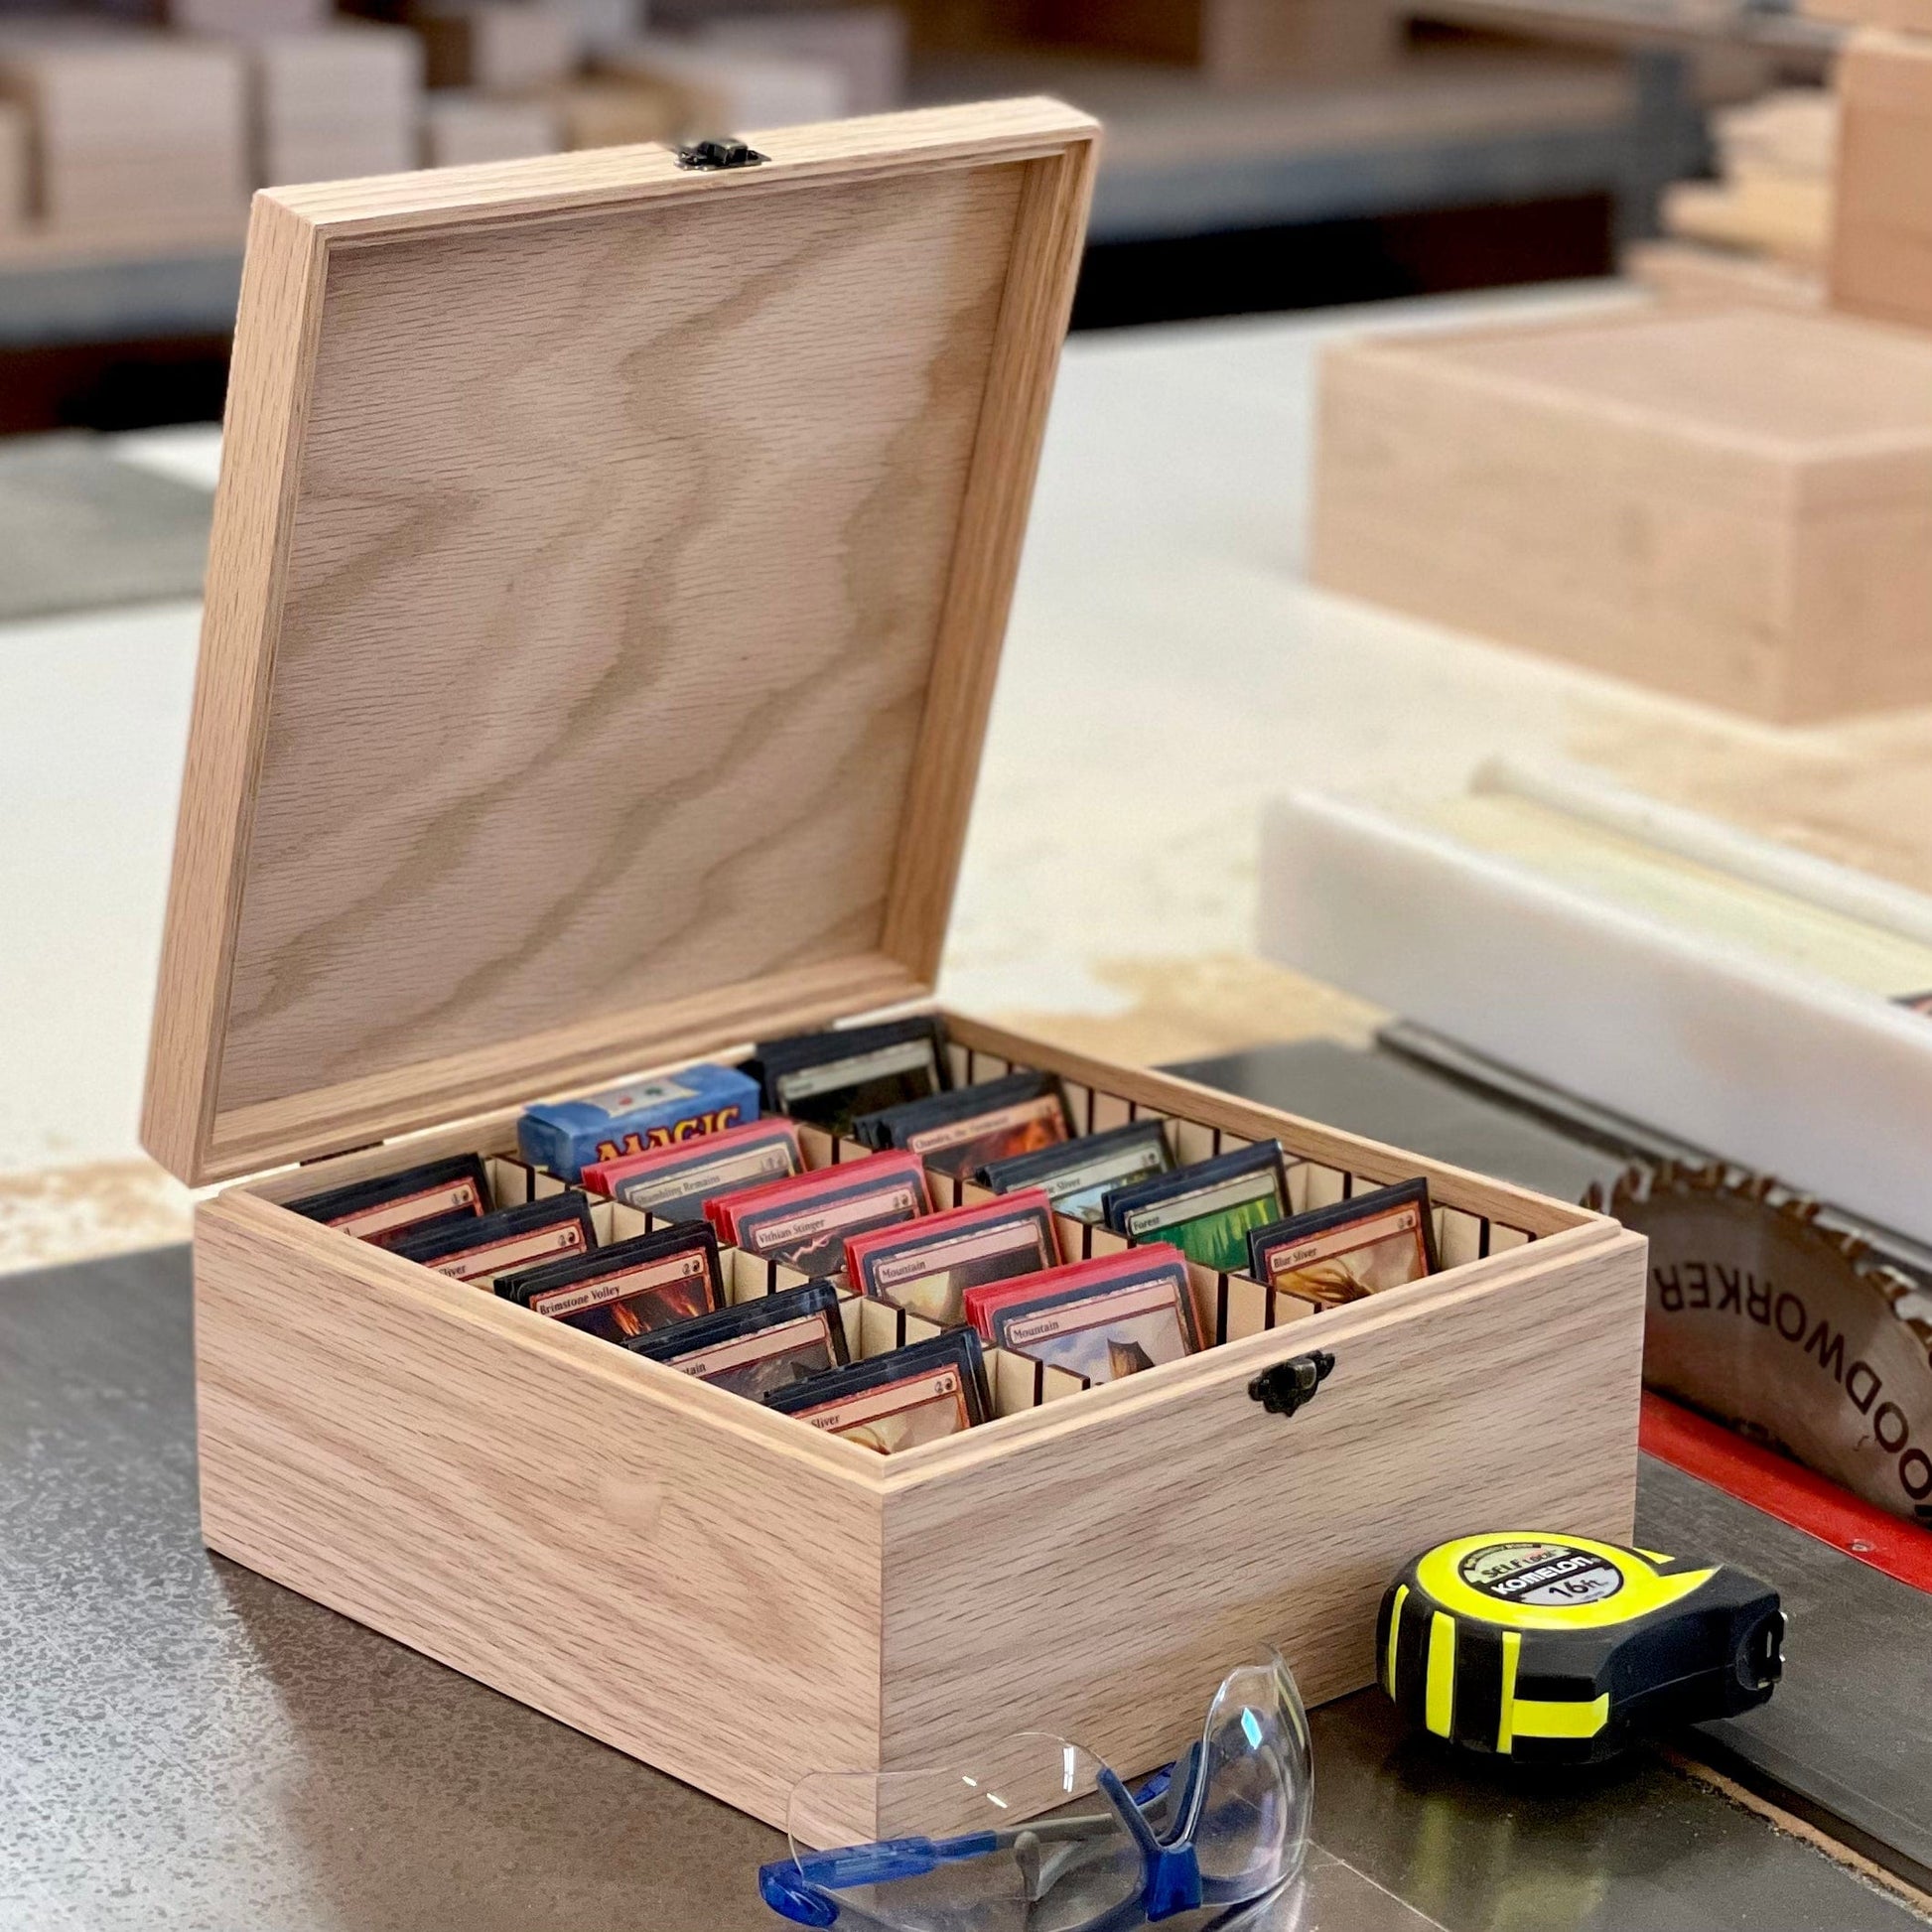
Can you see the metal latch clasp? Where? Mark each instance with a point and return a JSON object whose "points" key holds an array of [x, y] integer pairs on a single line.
{"points": [[1286, 1386], [725, 152]]}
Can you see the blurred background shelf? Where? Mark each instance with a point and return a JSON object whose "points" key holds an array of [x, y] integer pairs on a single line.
{"points": [[1446, 126]]}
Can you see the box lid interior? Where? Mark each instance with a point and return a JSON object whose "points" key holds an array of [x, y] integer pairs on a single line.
{"points": [[609, 567]]}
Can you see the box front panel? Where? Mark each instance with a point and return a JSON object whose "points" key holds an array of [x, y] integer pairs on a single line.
{"points": [[1100, 1584], [700, 1593]]}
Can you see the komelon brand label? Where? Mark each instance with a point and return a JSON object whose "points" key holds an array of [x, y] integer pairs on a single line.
{"points": [[1547, 1576]]}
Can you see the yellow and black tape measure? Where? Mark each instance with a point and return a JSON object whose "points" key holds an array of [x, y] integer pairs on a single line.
{"points": [[1562, 1649]]}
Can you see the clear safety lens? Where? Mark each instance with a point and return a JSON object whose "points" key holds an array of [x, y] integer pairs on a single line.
{"points": [[1256, 1789], [1022, 1842]]}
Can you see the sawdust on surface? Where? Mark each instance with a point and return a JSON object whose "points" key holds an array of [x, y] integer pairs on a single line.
{"points": [[80, 1212], [1189, 1008]]}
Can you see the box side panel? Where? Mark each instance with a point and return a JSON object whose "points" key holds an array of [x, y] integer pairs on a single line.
{"points": [[1882, 237], [1552, 526], [702, 1593], [1099, 1587], [1861, 599]]}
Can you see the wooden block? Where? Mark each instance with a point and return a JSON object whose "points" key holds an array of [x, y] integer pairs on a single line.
{"points": [[866, 45], [247, 17], [1689, 274], [603, 113], [459, 129], [1787, 219], [721, 91], [1903, 16], [1881, 242], [14, 166], [128, 126], [1736, 507], [1234, 42], [503, 46], [602, 23], [1791, 133], [341, 101]]}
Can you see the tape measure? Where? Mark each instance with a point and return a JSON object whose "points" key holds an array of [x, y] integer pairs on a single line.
{"points": [[1561, 1649]]}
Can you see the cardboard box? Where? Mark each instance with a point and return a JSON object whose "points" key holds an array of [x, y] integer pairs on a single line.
{"points": [[1736, 507], [1881, 240], [461, 129], [424, 875], [500, 46], [341, 102], [126, 126]]}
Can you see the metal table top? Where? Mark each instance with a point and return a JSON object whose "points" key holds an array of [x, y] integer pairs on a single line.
{"points": [[183, 1744]]}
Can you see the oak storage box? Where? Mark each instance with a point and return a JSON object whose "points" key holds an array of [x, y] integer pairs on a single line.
{"points": [[1734, 505], [609, 566]]}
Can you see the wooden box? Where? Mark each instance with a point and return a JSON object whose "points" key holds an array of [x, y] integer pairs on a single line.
{"points": [[343, 100], [500, 46], [609, 572], [1881, 261], [865, 46], [128, 126], [460, 130], [1733, 505], [720, 87]]}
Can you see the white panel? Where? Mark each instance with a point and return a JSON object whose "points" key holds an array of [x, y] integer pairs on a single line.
{"points": [[1827, 1088]]}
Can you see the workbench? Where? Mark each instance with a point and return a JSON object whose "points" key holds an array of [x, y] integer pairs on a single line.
{"points": [[184, 1744]]}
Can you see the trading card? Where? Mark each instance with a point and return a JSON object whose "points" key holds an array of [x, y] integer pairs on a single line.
{"points": [[1100, 1319], [920, 1393], [1338, 1254], [1079, 1175], [384, 1209], [567, 1135], [757, 1347], [928, 1267], [805, 1222], [479, 1249], [960, 1132], [1206, 1209], [632, 1286], [675, 1182], [831, 1079]]}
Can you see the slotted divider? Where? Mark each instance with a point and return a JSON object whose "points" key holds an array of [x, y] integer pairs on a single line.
{"points": [[1228, 1307]]}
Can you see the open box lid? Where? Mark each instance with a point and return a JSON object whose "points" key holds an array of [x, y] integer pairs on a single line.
{"points": [[610, 569]]}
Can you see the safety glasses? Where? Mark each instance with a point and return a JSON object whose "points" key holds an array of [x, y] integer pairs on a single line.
{"points": [[1045, 1837]]}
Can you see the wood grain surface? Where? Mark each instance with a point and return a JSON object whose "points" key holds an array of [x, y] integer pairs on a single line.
{"points": [[654, 1561], [1730, 506], [609, 567], [537, 1509], [1100, 1586]]}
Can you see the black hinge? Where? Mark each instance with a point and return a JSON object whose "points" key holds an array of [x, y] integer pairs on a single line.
{"points": [[728, 152], [1283, 1389]]}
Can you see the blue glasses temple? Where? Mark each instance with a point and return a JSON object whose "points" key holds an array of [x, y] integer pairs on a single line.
{"points": [[799, 1889]]}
